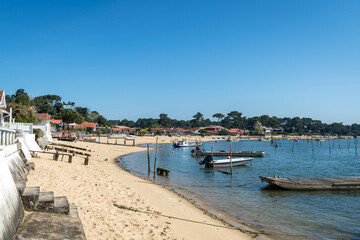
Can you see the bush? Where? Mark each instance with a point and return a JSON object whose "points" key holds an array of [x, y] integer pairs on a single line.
{"points": [[38, 133], [223, 132]]}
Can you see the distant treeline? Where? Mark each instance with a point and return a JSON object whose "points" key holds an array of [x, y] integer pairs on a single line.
{"points": [[20, 101], [235, 119]]}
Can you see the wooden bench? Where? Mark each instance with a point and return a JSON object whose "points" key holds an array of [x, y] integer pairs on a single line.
{"points": [[89, 140]]}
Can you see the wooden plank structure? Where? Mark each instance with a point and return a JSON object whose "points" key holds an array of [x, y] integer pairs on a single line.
{"points": [[57, 154], [71, 151], [69, 146], [68, 139], [162, 171], [116, 140], [346, 183]]}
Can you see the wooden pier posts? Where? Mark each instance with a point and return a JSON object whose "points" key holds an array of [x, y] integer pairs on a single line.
{"points": [[155, 155], [312, 146], [231, 168], [148, 156]]}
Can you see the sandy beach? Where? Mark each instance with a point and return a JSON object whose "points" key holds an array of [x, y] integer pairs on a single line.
{"points": [[95, 189]]}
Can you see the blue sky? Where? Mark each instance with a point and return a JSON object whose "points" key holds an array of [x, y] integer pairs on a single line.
{"points": [[131, 59]]}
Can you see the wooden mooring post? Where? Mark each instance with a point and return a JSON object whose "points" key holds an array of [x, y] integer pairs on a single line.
{"points": [[212, 154], [231, 169], [148, 156], [155, 155], [356, 142], [293, 146], [312, 145]]}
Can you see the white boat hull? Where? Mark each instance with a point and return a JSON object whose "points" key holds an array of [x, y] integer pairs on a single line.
{"points": [[235, 162]]}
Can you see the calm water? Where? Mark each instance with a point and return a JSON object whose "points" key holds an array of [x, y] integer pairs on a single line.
{"points": [[280, 214]]}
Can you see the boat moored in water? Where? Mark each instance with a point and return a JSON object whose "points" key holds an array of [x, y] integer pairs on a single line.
{"points": [[261, 139], [346, 183], [234, 162], [185, 144], [200, 153]]}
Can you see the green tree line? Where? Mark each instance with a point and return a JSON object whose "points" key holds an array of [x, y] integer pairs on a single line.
{"points": [[20, 101]]}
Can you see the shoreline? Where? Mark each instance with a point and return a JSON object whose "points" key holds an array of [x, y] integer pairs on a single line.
{"points": [[95, 189], [200, 204]]}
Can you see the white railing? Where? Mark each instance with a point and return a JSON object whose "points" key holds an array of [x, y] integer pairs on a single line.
{"points": [[24, 128], [7, 136]]}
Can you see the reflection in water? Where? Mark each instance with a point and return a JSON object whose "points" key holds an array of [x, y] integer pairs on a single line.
{"points": [[280, 213]]}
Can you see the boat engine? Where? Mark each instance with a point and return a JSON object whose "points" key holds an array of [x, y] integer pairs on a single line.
{"points": [[206, 160]]}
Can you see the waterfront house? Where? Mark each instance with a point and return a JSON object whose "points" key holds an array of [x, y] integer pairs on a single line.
{"points": [[234, 131], [90, 127], [180, 131], [266, 130], [56, 124], [3, 112], [213, 129], [44, 125], [2, 99]]}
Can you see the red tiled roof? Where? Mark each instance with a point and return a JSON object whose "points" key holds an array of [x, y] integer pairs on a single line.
{"points": [[181, 130], [87, 125], [120, 129], [44, 116], [55, 121], [234, 130]]}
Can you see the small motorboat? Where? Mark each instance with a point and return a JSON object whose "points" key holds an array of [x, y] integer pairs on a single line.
{"points": [[185, 144], [235, 162], [231, 139], [264, 139]]}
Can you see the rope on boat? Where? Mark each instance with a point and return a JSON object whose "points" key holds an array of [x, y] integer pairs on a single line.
{"points": [[254, 234]]}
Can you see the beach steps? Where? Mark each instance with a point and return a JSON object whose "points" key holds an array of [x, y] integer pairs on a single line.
{"points": [[34, 200], [41, 225]]}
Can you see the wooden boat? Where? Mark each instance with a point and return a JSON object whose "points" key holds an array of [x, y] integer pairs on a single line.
{"points": [[346, 183], [225, 153], [235, 162], [320, 140], [185, 144]]}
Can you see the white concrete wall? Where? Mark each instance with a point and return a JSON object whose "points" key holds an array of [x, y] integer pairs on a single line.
{"points": [[11, 211]]}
